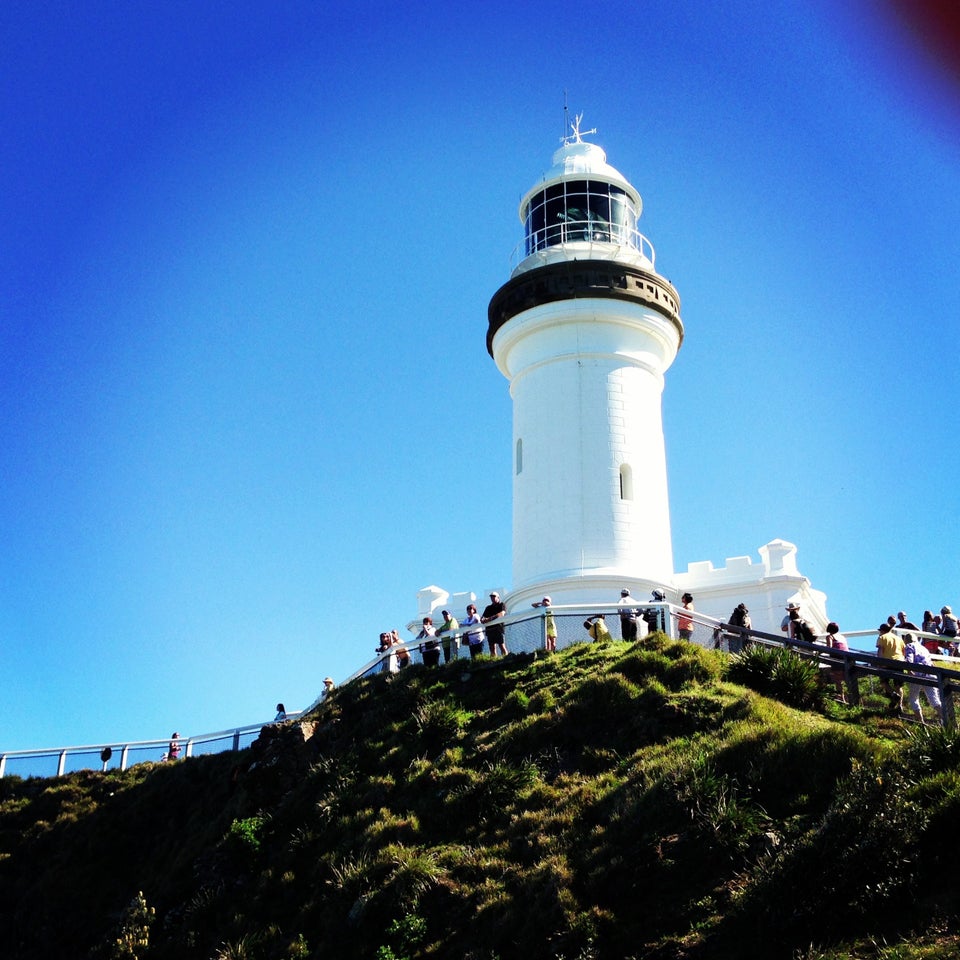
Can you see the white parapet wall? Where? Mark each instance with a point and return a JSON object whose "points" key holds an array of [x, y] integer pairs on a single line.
{"points": [[766, 587]]}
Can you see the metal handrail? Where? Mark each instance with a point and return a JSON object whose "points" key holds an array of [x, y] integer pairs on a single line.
{"points": [[582, 231], [526, 632], [234, 735]]}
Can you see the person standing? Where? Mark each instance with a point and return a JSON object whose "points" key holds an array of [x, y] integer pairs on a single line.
{"points": [[949, 627], [448, 639], [890, 646], [430, 647], [495, 610], [389, 662], [403, 654], [903, 623], [837, 641], [173, 750], [328, 686], [474, 636], [792, 615], [915, 652], [281, 713], [628, 615], [653, 616], [741, 624], [549, 627], [684, 620]]}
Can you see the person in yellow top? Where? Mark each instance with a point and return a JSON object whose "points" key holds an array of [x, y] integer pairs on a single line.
{"points": [[890, 646], [549, 627], [597, 627], [448, 636]]}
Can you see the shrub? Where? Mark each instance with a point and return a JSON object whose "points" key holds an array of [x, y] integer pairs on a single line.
{"points": [[246, 833], [438, 722], [517, 704], [780, 674], [695, 665], [934, 749], [718, 807], [488, 794]]}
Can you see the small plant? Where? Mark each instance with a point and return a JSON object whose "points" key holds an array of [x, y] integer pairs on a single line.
{"points": [[246, 833], [415, 872], [298, 949], [133, 937], [517, 703], [405, 934], [439, 723]]}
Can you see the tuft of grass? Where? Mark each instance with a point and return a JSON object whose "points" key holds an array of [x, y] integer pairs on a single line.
{"points": [[778, 673]]}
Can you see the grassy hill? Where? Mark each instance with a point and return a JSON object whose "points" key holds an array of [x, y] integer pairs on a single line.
{"points": [[609, 801]]}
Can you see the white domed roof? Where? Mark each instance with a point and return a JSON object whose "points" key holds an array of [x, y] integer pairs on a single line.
{"points": [[581, 159]]}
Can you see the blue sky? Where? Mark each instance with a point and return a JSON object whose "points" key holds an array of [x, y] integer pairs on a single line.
{"points": [[247, 250]]}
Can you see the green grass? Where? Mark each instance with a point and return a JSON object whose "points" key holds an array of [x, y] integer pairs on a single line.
{"points": [[610, 801]]}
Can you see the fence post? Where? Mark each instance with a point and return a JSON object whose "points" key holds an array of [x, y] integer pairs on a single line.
{"points": [[123, 757], [236, 740], [850, 678], [62, 764], [3, 763], [189, 750], [947, 712]]}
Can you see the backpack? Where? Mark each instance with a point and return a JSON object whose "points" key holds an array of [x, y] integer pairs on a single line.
{"points": [[802, 631]]}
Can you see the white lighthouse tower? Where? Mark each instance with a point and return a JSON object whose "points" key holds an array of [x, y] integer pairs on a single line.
{"points": [[584, 330]]}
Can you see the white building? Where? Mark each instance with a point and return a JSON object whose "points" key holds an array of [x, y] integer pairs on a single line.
{"points": [[585, 330]]}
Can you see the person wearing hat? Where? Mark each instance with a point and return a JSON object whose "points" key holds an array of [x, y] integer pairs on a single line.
{"points": [[328, 686], [684, 620], [448, 638], [740, 621], [786, 624], [628, 615], [596, 626], [654, 616], [549, 627], [495, 610]]}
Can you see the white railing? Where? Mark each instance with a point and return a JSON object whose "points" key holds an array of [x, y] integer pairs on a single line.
{"points": [[124, 755], [524, 633], [583, 232]]}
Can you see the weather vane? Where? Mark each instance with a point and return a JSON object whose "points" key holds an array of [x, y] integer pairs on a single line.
{"points": [[578, 134]]}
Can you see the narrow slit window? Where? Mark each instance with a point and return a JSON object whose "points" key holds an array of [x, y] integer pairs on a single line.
{"points": [[519, 456], [626, 482]]}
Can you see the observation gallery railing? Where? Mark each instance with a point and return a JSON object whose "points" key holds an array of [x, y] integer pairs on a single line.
{"points": [[583, 231]]}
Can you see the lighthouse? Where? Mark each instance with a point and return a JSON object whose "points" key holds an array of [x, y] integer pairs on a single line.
{"points": [[584, 331]]}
